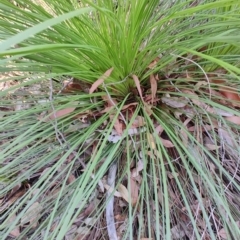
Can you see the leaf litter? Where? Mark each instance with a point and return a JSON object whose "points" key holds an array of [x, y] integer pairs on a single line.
{"points": [[227, 140]]}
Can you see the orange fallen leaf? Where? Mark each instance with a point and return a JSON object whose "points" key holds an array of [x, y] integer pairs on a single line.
{"points": [[61, 113], [159, 129], [211, 147], [153, 63], [129, 105], [234, 119], [117, 125], [134, 191], [71, 87], [135, 171], [223, 234], [137, 83], [138, 122], [229, 93], [166, 143], [153, 83], [111, 102], [71, 178], [100, 81]]}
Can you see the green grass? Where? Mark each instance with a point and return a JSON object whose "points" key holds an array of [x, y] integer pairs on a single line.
{"points": [[184, 109]]}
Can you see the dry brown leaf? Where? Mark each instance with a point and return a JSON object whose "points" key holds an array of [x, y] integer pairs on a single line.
{"points": [[117, 125], [137, 83], [138, 122], [211, 147], [177, 232], [234, 119], [227, 137], [203, 129], [129, 105], [134, 191], [110, 189], [159, 129], [153, 83], [12, 199], [153, 64], [107, 109], [111, 102], [61, 113], [100, 81], [71, 86], [71, 178], [147, 109], [175, 102], [139, 168], [16, 231], [229, 93], [166, 143], [223, 234], [124, 192], [32, 214]]}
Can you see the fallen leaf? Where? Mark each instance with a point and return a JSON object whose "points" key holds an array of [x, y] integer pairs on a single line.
{"points": [[153, 83], [211, 147], [203, 128], [138, 122], [71, 178], [227, 137], [234, 119], [117, 125], [71, 87], [229, 93], [110, 189], [111, 102], [100, 81], [177, 232], [124, 192], [32, 214], [134, 191], [135, 171], [166, 143], [137, 83], [153, 63], [61, 113], [159, 129], [223, 113], [16, 231], [175, 102], [223, 234], [129, 105]]}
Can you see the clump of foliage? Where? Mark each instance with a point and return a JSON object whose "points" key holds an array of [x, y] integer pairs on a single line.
{"points": [[132, 101]]}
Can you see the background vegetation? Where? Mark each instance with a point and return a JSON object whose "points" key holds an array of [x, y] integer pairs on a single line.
{"points": [[119, 119]]}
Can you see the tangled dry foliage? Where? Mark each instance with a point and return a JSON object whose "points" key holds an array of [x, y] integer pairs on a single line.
{"points": [[204, 110]]}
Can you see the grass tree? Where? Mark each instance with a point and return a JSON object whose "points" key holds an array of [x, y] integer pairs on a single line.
{"points": [[120, 119]]}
